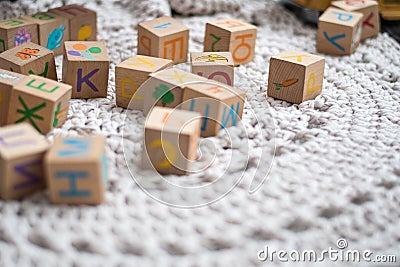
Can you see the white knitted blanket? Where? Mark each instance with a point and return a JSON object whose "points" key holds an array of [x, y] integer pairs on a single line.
{"points": [[334, 162]]}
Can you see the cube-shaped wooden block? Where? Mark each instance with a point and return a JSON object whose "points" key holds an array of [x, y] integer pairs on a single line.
{"points": [[339, 31], [76, 170], [15, 32], [22, 150], [371, 25], [41, 102], [217, 66], [7, 80], [131, 74], [82, 22], [231, 35], [165, 88], [53, 30], [30, 58], [220, 105], [163, 37], [295, 76], [86, 67], [171, 140]]}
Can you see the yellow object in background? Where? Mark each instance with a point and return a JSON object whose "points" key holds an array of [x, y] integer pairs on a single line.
{"points": [[390, 9], [319, 5]]}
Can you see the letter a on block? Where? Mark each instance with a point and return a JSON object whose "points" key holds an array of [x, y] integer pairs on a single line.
{"points": [[86, 79], [334, 38], [31, 177]]}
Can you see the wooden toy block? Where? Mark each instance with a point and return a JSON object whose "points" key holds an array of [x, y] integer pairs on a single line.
{"points": [[163, 37], [82, 22], [7, 80], [76, 170], [295, 76], [216, 66], [131, 74], [30, 58], [86, 67], [42, 102], [165, 88], [220, 105], [22, 150], [53, 30], [171, 140], [14, 32], [339, 31], [370, 9], [231, 35]]}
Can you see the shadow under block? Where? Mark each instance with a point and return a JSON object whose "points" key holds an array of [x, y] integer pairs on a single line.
{"points": [[163, 37], [86, 67], [14, 32], [370, 9], [165, 88], [131, 74], [76, 170], [230, 35], [30, 58], [7, 80], [22, 150], [217, 66], [41, 102], [339, 31], [171, 140], [220, 105], [82, 22], [295, 76], [53, 30]]}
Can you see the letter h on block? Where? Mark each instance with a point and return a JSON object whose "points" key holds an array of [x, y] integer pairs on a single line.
{"points": [[163, 37], [339, 31], [22, 150], [76, 170]]}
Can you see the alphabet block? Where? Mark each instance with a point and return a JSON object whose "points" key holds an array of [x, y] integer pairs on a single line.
{"points": [[41, 102], [165, 88], [216, 66], [370, 9], [30, 58], [86, 67], [163, 37], [22, 150], [76, 170], [53, 30], [171, 140], [231, 35], [131, 74], [295, 76], [14, 32], [7, 81], [220, 105], [82, 22], [339, 31]]}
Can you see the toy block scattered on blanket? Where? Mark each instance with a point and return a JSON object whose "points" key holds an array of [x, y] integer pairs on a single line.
{"points": [[76, 170], [14, 32], [82, 22], [163, 37], [231, 35], [295, 76], [370, 9], [7, 80], [216, 66], [42, 102], [220, 105], [86, 67], [30, 58], [53, 30], [165, 88], [131, 74], [339, 31], [171, 140], [22, 150]]}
